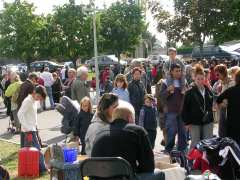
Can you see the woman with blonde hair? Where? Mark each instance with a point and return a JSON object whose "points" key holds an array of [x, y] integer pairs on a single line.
{"points": [[13, 92], [120, 87]]}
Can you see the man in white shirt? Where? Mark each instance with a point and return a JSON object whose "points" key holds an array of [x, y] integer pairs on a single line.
{"points": [[27, 115], [63, 74], [48, 82]]}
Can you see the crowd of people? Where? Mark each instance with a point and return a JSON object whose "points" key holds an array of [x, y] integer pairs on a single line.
{"points": [[187, 100]]}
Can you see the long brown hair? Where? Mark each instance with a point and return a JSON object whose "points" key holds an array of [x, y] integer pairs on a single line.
{"points": [[121, 78], [107, 100]]}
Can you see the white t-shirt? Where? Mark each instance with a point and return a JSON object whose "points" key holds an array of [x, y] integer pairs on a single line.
{"points": [[63, 71], [27, 114], [47, 78]]}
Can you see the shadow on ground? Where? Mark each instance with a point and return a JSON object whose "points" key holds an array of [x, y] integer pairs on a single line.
{"points": [[7, 136], [3, 115], [56, 139]]}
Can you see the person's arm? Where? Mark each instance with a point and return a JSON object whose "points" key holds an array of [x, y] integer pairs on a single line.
{"points": [[146, 157], [73, 92], [127, 96], [77, 126], [51, 78], [223, 96], [164, 93], [186, 107], [130, 92], [141, 118]]}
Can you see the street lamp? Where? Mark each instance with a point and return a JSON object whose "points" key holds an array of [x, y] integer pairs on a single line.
{"points": [[92, 3]]}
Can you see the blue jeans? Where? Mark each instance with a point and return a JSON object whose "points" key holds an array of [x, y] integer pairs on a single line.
{"points": [[174, 126], [49, 93], [34, 143]]}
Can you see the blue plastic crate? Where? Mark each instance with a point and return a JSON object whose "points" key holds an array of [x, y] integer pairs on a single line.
{"points": [[70, 154]]}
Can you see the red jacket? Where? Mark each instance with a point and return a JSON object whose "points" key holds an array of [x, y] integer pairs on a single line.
{"points": [[40, 81], [154, 72]]}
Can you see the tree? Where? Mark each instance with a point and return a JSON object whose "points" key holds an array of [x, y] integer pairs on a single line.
{"points": [[121, 27], [71, 31], [227, 28], [174, 26], [196, 20], [19, 31]]}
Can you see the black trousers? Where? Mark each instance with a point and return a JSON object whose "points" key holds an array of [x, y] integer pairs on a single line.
{"points": [[152, 136]]}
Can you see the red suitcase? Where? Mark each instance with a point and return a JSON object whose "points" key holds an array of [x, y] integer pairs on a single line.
{"points": [[28, 162]]}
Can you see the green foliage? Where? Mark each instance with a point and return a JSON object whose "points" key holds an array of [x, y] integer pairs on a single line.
{"points": [[196, 20], [121, 27], [68, 32], [19, 31], [72, 35], [185, 50]]}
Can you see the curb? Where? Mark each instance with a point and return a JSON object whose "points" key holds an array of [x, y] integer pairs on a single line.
{"points": [[9, 141]]}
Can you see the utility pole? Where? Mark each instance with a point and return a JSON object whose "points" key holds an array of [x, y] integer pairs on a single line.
{"points": [[92, 3]]}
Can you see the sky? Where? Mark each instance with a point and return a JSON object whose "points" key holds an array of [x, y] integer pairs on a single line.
{"points": [[46, 6]]}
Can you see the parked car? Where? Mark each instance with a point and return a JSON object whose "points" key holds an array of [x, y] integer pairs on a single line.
{"points": [[69, 64], [39, 65], [157, 59]]}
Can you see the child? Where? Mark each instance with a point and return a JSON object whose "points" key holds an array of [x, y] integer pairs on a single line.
{"points": [[147, 118], [120, 87], [27, 116], [83, 121], [172, 52]]}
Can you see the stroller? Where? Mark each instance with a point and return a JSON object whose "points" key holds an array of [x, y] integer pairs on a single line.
{"points": [[11, 126], [69, 109]]}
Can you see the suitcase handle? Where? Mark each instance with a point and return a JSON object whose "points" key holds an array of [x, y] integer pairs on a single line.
{"points": [[29, 139]]}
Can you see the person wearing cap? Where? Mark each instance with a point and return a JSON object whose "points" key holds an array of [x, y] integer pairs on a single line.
{"points": [[172, 52], [80, 87], [147, 118]]}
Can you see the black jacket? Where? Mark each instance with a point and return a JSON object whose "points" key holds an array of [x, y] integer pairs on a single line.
{"points": [[136, 91], [128, 141], [26, 88], [57, 86], [82, 123], [233, 122], [147, 118], [192, 112]]}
